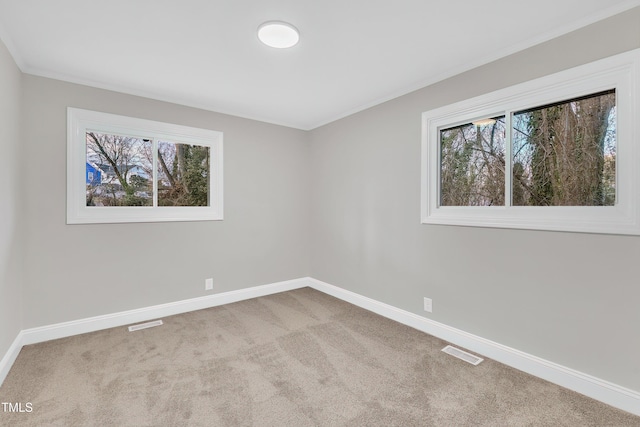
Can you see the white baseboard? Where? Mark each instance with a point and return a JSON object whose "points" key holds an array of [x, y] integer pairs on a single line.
{"points": [[91, 324], [10, 356], [609, 393], [604, 391]]}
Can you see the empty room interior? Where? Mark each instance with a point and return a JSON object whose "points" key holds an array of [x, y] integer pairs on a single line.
{"points": [[313, 224]]}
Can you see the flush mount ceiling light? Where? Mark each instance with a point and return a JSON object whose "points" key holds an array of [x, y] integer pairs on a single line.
{"points": [[278, 34]]}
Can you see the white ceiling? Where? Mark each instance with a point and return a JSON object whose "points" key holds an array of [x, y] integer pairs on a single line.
{"points": [[352, 54]]}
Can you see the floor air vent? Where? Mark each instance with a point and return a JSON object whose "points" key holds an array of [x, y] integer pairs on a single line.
{"points": [[463, 355], [145, 325]]}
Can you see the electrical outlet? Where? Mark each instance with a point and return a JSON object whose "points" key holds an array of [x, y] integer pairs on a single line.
{"points": [[428, 304], [208, 284]]}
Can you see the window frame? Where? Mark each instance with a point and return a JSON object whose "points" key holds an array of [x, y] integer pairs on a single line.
{"points": [[79, 121], [620, 72]]}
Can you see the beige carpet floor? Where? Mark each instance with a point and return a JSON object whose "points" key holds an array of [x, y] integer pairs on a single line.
{"points": [[299, 358]]}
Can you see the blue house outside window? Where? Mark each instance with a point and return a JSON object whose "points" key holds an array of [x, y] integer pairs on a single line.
{"points": [[93, 175]]}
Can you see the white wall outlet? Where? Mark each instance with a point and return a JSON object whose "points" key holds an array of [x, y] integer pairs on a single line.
{"points": [[428, 305], [208, 284]]}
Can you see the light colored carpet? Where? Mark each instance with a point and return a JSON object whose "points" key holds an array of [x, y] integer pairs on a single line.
{"points": [[299, 358]]}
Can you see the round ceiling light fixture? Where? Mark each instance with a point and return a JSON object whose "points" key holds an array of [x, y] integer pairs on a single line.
{"points": [[278, 34]]}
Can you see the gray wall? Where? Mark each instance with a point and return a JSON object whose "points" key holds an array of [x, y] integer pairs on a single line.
{"points": [[340, 203], [569, 298], [10, 207], [78, 271]]}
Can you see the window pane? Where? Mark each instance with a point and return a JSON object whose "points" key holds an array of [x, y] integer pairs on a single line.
{"points": [[565, 154], [183, 172], [472, 164], [118, 170]]}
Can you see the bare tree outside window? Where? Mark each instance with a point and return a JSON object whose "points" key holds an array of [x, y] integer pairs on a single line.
{"points": [[570, 157], [124, 169], [564, 154], [120, 170], [472, 166]]}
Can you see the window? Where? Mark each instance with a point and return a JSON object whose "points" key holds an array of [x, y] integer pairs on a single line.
{"points": [[122, 169], [557, 153]]}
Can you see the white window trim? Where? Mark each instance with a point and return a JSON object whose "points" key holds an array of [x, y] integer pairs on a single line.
{"points": [[79, 121], [620, 72]]}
